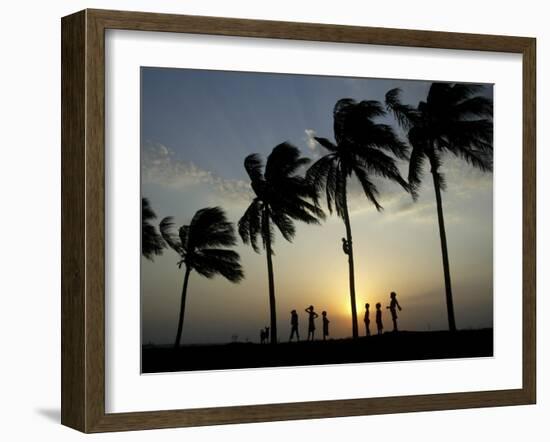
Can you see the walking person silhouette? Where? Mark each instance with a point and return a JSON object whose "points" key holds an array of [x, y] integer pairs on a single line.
{"points": [[294, 326], [379, 324], [325, 325], [311, 323], [394, 305], [367, 318]]}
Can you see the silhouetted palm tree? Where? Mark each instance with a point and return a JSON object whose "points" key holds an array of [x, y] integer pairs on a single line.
{"points": [[199, 247], [281, 196], [454, 118], [151, 242], [359, 150]]}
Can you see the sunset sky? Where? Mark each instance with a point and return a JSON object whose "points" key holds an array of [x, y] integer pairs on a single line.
{"points": [[196, 129]]}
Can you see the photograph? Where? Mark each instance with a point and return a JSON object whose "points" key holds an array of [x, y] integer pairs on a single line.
{"points": [[295, 220]]}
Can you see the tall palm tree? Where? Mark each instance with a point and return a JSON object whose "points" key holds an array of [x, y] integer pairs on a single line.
{"points": [[281, 196], [151, 242], [455, 118], [199, 246], [359, 150]]}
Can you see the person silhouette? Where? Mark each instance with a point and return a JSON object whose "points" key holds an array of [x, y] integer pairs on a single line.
{"points": [[264, 335], [345, 246], [325, 325], [379, 324], [294, 326], [311, 323], [367, 318], [394, 305]]}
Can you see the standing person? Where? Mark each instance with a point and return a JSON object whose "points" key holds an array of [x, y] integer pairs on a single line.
{"points": [[325, 325], [294, 326], [394, 305], [264, 334], [311, 323], [367, 318], [379, 324]]}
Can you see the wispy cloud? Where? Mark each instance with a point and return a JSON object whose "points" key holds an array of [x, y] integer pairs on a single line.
{"points": [[160, 166], [464, 185], [315, 149]]}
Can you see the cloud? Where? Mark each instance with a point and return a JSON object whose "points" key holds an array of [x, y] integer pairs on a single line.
{"points": [[465, 185], [464, 179], [314, 147], [160, 166]]}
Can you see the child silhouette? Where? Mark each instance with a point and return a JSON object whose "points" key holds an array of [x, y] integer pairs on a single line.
{"points": [[264, 335], [379, 324], [325, 325], [367, 318], [311, 323], [394, 305], [294, 326]]}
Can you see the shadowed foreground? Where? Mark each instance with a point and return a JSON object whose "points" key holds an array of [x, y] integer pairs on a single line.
{"points": [[402, 346]]}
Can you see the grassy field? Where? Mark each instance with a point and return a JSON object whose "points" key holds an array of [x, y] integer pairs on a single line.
{"points": [[401, 346]]}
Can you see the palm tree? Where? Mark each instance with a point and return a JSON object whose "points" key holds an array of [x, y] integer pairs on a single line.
{"points": [[359, 150], [151, 242], [454, 118], [199, 247], [281, 196]]}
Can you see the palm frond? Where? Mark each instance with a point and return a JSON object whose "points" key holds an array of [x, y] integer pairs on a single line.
{"points": [[352, 119], [314, 212], [434, 157], [152, 243], [183, 233], [327, 144], [284, 224], [332, 178], [210, 228], [459, 92], [478, 159], [282, 196], [406, 115], [253, 165], [166, 230], [298, 209], [342, 109], [249, 225], [267, 232], [370, 109], [283, 161], [478, 133], [321, 176], [477, 106], [383, 137], [371, 192], [416, 171], [378, 163], [147, 213], [438, 95], [211, 262], [340, 191]]}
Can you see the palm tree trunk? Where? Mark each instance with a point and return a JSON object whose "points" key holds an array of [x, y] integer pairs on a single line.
{"points": [[354, 326], [182, 306], [272, 307], [444, 252]]}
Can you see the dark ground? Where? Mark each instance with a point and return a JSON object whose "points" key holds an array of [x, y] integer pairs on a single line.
{"points": [[401, 346]]}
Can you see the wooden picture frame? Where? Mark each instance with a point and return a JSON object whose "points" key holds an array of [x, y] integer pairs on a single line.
{"points": [[83, 220]]}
